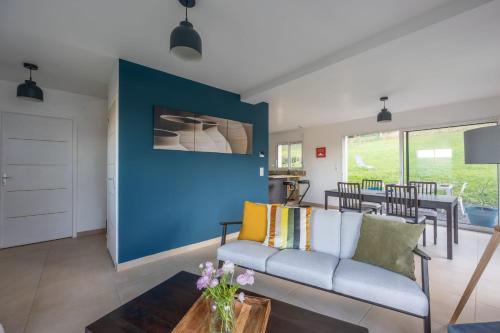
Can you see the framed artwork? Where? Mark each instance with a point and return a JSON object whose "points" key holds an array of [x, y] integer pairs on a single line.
{"points": [[180, 130], [321, 152]]}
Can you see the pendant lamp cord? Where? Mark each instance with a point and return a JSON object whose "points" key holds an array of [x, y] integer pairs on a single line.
{"points": [[187, 14], [30, 74]]}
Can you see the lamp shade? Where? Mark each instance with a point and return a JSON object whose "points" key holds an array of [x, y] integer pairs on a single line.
{"points": [[29, 90], [185, 42], [482, 145], [384, 116]]}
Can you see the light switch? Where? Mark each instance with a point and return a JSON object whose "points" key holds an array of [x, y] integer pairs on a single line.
{"points": [[261, 172]]}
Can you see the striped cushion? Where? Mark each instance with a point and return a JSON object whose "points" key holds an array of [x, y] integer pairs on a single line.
{"points": [[288, 228]]}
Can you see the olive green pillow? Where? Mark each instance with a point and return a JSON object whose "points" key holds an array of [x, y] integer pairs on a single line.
{"points": [[388, 244]]}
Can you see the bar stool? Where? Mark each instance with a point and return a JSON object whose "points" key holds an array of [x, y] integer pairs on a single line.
{"points": [[291, 185], [301, 196]]}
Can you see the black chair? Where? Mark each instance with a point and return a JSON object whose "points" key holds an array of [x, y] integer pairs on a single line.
{"points": [[372, 184], [350, 197], [291, 187], [428, 188], [402, 201], [304, 182]]}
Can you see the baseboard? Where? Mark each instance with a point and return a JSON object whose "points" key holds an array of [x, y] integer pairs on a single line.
{"points": [[170, 253], [91, 232]]}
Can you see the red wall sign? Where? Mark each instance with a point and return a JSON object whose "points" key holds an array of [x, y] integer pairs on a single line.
{"points": [[321, 152]]}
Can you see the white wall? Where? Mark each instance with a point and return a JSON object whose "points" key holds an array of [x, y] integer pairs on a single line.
{"points": [[112, 165], [324, 173], [89, 120]]}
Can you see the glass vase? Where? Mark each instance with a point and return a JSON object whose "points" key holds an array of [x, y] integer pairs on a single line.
{"points": [[222, 317]]}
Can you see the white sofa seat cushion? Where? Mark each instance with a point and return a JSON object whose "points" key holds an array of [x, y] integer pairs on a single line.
{"points": [[378, 285], [246, 253], [309, 267]]}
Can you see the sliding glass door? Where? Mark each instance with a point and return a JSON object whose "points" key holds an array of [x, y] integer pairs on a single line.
{"points": [[437, 155], [434, 155], [373, 156]]}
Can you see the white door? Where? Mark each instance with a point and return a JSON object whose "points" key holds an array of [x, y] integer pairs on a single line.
{"points": [[36, 179], [112, 231]]}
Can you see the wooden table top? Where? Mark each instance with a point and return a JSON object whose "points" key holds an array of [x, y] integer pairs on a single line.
{"points": [[161, 308]]}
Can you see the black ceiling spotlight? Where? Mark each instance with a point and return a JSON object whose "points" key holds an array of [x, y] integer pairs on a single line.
{"points": [[185, 42], [384, 116], [29, 90]]}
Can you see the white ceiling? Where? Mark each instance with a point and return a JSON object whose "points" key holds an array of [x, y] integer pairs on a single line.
{"points": [[321, 63]]}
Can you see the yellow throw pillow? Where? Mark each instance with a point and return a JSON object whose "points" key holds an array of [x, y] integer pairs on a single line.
{"points": [[254, 225]]}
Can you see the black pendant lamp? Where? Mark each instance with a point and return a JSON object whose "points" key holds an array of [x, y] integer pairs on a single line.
{"points": [[384, 116], [29, 90], [185, 42]]}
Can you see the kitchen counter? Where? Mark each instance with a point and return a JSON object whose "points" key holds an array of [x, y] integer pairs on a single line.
{"points": [[283, 176]]}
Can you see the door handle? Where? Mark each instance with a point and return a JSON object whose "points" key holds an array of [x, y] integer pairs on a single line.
{"points": [[4, 179]]}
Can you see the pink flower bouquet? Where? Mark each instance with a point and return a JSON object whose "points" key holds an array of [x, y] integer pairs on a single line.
{"points": [[219, 287]]}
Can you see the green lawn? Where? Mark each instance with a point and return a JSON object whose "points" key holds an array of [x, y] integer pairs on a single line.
{"points": [[381, 151]]}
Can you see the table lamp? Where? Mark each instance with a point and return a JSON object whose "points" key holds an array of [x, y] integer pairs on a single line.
{"points": [[481, 146]]}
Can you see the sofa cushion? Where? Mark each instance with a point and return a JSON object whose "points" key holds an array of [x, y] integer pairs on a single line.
{"points": [[378, 285], [254, 224], [350, 230], [288, 228], [245, 253], [325, 231], [388, 244], [313, 268]]}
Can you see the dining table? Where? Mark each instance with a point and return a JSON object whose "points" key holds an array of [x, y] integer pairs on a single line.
{"points": [[449, 203]]}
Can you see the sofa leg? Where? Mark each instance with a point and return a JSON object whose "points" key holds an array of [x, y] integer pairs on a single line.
{"points": [[220, 264], [427, 324]]}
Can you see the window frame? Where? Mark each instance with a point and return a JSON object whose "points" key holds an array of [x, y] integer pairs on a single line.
{"points": [[289, 148]]}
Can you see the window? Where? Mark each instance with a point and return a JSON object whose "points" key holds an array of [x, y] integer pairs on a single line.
{"points": [[435, 155], [438, 155], [289, 155], [373, 156]]}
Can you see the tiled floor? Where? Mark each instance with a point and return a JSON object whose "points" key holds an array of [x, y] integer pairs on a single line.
{"points": [[64, 285]]}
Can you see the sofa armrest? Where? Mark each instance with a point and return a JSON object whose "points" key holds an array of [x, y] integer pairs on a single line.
{"points": [[421, 254], [224, 225], [230, 222], [424, 260]]}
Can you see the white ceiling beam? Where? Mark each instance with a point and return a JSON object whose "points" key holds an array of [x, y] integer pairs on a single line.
{"points": [[415, 24]]}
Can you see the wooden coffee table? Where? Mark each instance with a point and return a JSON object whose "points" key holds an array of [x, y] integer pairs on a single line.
{"points": [[161, 308]]}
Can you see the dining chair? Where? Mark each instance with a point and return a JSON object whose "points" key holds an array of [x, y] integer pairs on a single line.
{"points": [[428, 188], [350, 197], [402, 201], [372, 184]]}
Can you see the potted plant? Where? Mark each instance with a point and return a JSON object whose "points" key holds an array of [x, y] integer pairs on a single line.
{"points": [[482, 215]]}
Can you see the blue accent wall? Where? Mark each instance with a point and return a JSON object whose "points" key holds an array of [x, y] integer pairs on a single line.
{"points": [[169, 199]]}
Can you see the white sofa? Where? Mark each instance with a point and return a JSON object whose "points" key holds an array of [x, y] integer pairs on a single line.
{"points": [[329, 266]]}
